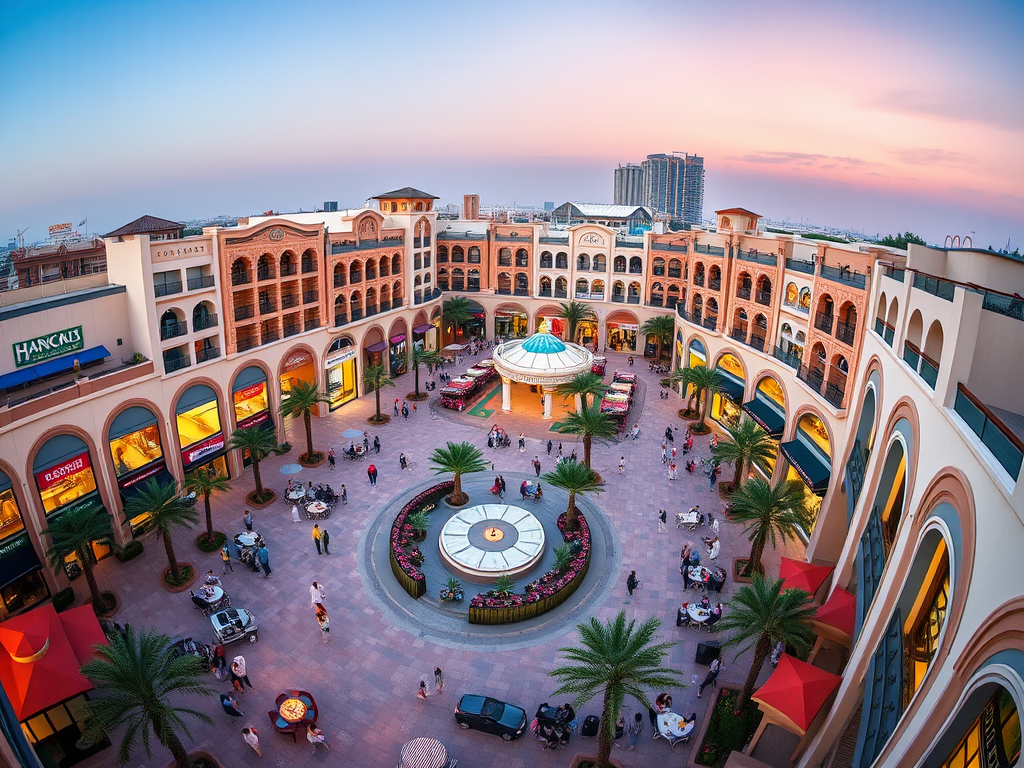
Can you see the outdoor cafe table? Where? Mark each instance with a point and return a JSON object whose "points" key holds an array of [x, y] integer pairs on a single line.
{"points": [[246, 539], [293, 710], [424, 753], [671, 724], [689, 518], [699, 574], [296, 494], [211, 594], [698, 614], [317, 510]]}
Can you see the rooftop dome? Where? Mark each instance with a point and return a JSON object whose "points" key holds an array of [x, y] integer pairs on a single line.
{"points": [[543, 343], [541, 358]]}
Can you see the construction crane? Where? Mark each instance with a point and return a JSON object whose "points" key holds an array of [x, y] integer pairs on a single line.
{"points": [[20, 237]]}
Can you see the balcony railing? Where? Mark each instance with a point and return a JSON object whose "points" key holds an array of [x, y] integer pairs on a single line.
{"points": [[629, 299], [846, 332], [167, 289], [636, 270], [311, 324], [357, 313], [561, 293], [308, 266], [619, 298], [240, 278], [711, 323], [555, 240], [270, 335], [698, 280], [264, 274], [893, 272], [207, 353], [843, 275], [796, 265], [1010, 306], [507, 262], [675, 272], [291, 329], [812, 377], [757, 342], [715, 284], [923, 366], [505, 291], [173, 330], [679, 248], [935, 286], [1006, 447], [886, 331], [522, 291], [763, 297], [176, 363], [246, 343], [268, 307], [371, 310], [310, 297], [544, 293], [449, 235], [340, 320], [740, 334], [658, 271], [289, 300], [204, 281], [621, 243], [385, 305], [834, 395], [339, 281], [683, 314], [758, 258], [743, 292], [789, 357], [823, 321], [710, 250], [514, 238], [203, 322], [244, 312], [287, 270]]}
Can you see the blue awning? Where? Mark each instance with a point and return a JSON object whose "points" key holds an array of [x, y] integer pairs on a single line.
{"points": [[770, 420], [731, 388], [17, 378], [813, 470], [66, 363]]}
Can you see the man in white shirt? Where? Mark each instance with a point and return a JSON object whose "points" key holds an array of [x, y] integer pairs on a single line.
{"points": [[316, 594]]}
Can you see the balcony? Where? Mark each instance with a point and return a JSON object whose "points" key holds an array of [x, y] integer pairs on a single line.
{"points": [[198, 283], [679, 248], [1004, 445], [739, 334], [176, 363], [244, 312], [449, 235], [167, 289], [308, 265], [289, 300], [206, 354], [886, 331], [683, 314], [173, 330], [310, 297], [892, 272], [758, 258], [675, 272], [823, 322], [629, 299], [796, 265], [270, 335], [1010, 306], [203, 322], [843, 275], [935, 286], [287, 270], [763, 297], [246, 343], [624, 243], [757, 342], [555, 240], [711, 323], [710, 250], [846, 333], [743, 292], [514, 238], [240, 278], [787, 357], [311, 324], [715, 284], [264, 274], [290, 329]]}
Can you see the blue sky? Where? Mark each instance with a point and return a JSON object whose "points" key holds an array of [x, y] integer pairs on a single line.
{"points": [[875, 115]]}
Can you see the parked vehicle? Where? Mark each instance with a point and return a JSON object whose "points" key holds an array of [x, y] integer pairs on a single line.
{"points": [[233, 625], [482, 713]]}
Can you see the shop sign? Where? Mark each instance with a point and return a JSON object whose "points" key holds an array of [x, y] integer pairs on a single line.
{"points": [[50, 345], [298, 360], [12, 546], [194, 249], [252, 421], [247, 393], [53, 475], [144, 475], [625, 326], [340, 357], [194, 453]]}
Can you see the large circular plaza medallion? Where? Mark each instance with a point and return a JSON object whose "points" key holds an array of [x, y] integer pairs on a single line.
{"points": [[491, 539]]}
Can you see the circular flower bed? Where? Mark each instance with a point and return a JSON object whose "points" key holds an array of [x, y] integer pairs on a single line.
{"points": [[405, 555]]}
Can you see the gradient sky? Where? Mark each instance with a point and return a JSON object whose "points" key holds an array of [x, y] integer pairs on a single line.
{"points": [[876, 115]]}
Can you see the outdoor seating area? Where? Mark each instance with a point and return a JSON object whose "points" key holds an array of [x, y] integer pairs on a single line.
{"points": [[295, 710]]}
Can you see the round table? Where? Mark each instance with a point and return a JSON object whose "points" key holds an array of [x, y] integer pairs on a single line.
{"points": [[292, 710], [215, 594], [296, 494], [699, 574], [698, 614], [317, 509], [424, 753], [674, 725], [246, 539]]}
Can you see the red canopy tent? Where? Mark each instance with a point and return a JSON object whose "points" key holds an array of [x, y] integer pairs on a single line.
{"points": [[39, 663], [796, 574], [835, 619]]}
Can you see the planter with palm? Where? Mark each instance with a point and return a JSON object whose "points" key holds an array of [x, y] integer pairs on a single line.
{"points": [[574, 313], [303, 401], [375, 378], [73, 533], [459, 459], [747, 443], [706, 382], [661, 327], [591, 425], [586, 388], [136, 677], [770, 512], [760, 615], [260, 443], [579, 480], [429, 358], [166, 509], [203, 484], [455, 313], [614, 660]]}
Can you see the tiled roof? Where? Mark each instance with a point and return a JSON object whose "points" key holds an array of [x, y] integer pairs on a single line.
{"points": [[406, 192], [611, 211], [740, 211], [144, 225]]}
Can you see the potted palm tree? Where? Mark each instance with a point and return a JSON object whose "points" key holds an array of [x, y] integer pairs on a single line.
{"points": [[136, 677], [375, 378], [592, 425], [760, 615], [164, 509], [459, 459], [585, 388], [73, 533], [203, 484], [454, 314], [614, 660], [747, 443], [452, 591], [705, 381], [661, 327], [260, 443], [578, 480], [304, 401], [770, 512], [429, 358], [574, 312]]}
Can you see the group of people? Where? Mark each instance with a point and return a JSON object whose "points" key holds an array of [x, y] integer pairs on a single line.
{"points": [[554, 726], [404, 410], [497, 438]]}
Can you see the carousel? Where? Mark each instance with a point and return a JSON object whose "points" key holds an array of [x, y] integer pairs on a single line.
{"points": [[543, 361]]}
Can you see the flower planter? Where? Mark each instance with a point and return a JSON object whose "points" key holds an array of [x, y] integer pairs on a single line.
{"points": [[318, 458], [403, 566], [180, 587], [723, 731], [384, 419], [110, 598], [417, 398], [268, 498], [738, 564]]}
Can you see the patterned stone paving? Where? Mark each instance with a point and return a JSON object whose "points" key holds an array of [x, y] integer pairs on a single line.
{"points": [[365, 678]]}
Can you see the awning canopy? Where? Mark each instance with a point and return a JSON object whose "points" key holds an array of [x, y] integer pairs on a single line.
{"points": [[731, 388], [813, 470], [770, 420], [380, 346], [796, 574], [19, 559], [54, 367], [19, 377], [422, 328], [838, 613], [795, 693], [398, 339]]}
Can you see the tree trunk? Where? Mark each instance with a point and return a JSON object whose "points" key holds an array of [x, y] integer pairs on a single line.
{"points": [[604, 737], [760, 654], [256, 474], [376, 392], [586, 451], [171, 559], [739, 474], [307, 422], [457, 495], [173, 743], [756, 551], [90, 577], [705, 408], [570, 513], [209, 516], [416, 374], [579, 404]]}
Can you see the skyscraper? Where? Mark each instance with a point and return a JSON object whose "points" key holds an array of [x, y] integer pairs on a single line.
{"points": [[674, 185], [629, 189]]}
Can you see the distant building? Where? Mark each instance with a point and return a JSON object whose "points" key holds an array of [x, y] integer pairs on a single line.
{"points": [[549, 207], [471, 207], [674, 185], [629, 188], [632, 218], [331, 206]]}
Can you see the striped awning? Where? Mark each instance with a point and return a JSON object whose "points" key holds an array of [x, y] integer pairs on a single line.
{"points": [[424, 753]]}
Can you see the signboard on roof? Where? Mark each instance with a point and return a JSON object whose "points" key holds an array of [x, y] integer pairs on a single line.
{"points": [[44, 347], [61, 230]]}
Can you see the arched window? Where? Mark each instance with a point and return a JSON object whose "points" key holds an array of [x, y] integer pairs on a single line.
{"points": [[673, 296], [658, 266], [203, 317], [582, 288], [715, 277], [442, 254], [383, 267], [473, 278], [743, 286], [597, 289], [339, 275], [804, 300], [583, 262], [561, 260], [505, 257], [633, 293], [265, 267], [618, 291], [371, 270], [239, 272], [636, 265], [561, 288], [764, 291], [355, 273], [340, 310], [600, 263], [698, 274], [442, 279], [371, 302], [546, 260], [355, 307], [791, 294], [287, 264], [458, 255], [545, 284], [474, 255], [504, 283], [522, 284], [657, 296], [619, 264], [522, 259], [396, 263], [675, 268], [170, 326], [458, 279]]}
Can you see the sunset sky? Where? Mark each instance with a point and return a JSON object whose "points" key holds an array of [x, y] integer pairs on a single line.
{"points": [[879, 116]]}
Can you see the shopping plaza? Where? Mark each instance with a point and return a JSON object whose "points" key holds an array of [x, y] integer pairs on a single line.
{"points": [[889, 381]]}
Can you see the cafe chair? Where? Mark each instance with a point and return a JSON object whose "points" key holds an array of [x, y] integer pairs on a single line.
{"points": [[281, 725]]}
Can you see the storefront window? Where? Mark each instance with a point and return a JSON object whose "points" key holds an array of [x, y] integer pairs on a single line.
{"points": [[197, 417], [21, 579], [510, 323], [397, 355], [198, 423], [812, 501], [813, 428], [725, 411], [730, 364], [772, 390], [698, 356], [63, 472], [925, 623], [340, 367], [134, 440], [298, 366], [250, 398], [10, 517], [586, 332], [622, 336]]}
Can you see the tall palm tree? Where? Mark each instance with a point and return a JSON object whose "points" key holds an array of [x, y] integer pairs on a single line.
{"points": [[682, 376], [746, 444], [761, 614], [135, 678], [661, 327], [167, 510], [574, 312], [459, 459], [770, 513], [427, 357], [705, 381], [614, 660], [260, 443], [375, 378], [584, 387], [455, 312], [304, 400], [73, 533], [203, 483], [592, 425], [579, 480]]}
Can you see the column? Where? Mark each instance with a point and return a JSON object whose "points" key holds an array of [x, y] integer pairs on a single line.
{"points": [[579, 403], [547, 403], [506, 395]]}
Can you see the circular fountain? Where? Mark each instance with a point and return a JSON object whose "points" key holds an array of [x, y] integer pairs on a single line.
{"points": [[488, 540]]}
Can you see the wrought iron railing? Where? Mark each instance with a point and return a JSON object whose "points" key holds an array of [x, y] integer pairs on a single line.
{"points": [[846, 332], [758, 257], [743, 292], [207, 353], [763, 297], [823, 321], [167, 289], [173, 330], [244, 312], [796, 265], [843, 275], [204, 281], [202, 322]]}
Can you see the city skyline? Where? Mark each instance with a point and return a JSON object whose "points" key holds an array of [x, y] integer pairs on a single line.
{"points": [[863, 117]]}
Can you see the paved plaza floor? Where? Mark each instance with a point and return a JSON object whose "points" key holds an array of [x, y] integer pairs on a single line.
{"points": [[365, 678]]}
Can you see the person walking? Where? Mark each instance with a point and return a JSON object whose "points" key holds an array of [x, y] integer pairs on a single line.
{"points": [[672, 473], [376, 444], [230, 705], [622, 465], [396, 407], [536, 465], [405, 411], [632, 582], [250, 737], [263, 556], [549, 447], [669, 438], [248, 520], [325, 623], [344, 495], [371, 472], [238, 674], [316, 537], [325, 539], [438, 679], [501, 479], [662, 519], [366, 442], [330, 458], [316, 594], [713, 476], [225, 558], [421, 692], [664, 453], [620, 731], [295, 514], [712, 676], [522, 443], [635, 729], [673, 453], [315, 736]]}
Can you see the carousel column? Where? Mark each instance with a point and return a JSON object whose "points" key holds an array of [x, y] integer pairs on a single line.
{"points": [[506, 394], [548, 392]]}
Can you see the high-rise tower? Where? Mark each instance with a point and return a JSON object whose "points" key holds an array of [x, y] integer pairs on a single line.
{"points": [[674, 185], [629, 188]]}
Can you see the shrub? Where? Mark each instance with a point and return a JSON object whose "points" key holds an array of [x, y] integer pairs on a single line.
{"points": [[563, 556], [186, 576], [130, 550], [64, 599], [211, 545], [727, 730], [419, 520]]}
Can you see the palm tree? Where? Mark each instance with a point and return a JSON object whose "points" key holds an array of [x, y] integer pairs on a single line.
{"points": [[682, 376], [135, 677], [375, 378], [73, 533], [705, 381], [770, 513], [304, 400], [661, 327], [203, 483], [455, 312], [166, 510], [574, 312], [614, 659], [460, 459], [577, 479], [592, 425], [260, 443], [427, 357], [761, 614], [585, 387], [747, 443]]}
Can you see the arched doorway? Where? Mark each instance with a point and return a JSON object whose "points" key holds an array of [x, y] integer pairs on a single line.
{"points": [[726, 404], [510, 321], [398, 348], [340, 372], [296, 366], [136, 449], [21, 571], [200, 434], [622, 328], [423, 336], [374, 347]]}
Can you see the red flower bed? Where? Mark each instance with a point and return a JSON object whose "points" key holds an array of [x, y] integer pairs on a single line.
{"points": [[405, 553]]}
